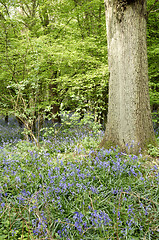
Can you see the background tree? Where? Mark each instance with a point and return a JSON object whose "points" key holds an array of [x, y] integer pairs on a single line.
{"points": [[51, 62]]}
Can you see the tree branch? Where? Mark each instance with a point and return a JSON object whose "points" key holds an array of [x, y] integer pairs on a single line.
{"points": [[2, 17], [24, 11], [148, 12], [155, 10], [5, 8], [62, 28]]}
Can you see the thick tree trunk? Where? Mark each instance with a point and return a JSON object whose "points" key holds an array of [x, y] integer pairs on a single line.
{"points": [[129, 116]]}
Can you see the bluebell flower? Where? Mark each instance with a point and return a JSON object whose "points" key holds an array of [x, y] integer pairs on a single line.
{"points": [[2, 205]]}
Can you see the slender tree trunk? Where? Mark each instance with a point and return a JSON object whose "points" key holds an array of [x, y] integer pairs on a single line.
{"points": [[53, 88], [6, 118], [55, 112], [129, 115]]}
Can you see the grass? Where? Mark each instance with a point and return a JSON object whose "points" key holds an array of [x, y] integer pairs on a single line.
{"points": [[69, 189]]}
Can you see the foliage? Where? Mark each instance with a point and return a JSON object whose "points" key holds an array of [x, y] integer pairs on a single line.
{"points": [[153, 59], [47, 61], [80, 137], [51, 59], [154, 151]]}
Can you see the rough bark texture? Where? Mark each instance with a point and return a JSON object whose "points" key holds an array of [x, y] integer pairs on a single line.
{"points": [[129, 115]]}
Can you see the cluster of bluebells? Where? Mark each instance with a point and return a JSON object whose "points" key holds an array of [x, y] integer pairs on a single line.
{"points": [[82, 223], [10, 133], [40, 225], [90, 194]]}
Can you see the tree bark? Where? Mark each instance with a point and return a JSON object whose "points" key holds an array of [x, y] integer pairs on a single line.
{"points": [[6, 119], [53, 89], [129, 116]]}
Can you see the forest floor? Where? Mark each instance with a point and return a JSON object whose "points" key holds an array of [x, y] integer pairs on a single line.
{"points": [[67, 188]]}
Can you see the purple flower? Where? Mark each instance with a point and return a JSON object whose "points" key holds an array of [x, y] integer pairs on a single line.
{"points": [[2, 205]]}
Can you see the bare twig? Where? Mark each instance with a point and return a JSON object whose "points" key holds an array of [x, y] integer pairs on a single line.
{"points": [[63, 28], [155, 10], [120, 200], [152, 7], [139, 197], [91, 201], [152, 229]]}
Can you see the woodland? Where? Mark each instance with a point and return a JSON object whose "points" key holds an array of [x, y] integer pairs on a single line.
{"points": [[57, 181], [54, 57]]}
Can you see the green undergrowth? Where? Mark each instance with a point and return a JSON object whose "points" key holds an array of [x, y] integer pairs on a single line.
{"points": [[67, 188], [154, 150], [72, 190]]}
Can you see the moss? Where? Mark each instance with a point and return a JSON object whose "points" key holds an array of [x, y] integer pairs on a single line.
{"points": [[129, 150], [107, 144], [150, 141]]}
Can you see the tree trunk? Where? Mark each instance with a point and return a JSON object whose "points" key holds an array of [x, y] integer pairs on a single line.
{"points": [[55, 111], [53, 89], [129, 116], [6, 119]]}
